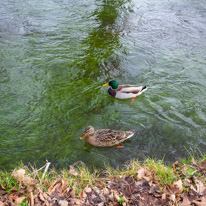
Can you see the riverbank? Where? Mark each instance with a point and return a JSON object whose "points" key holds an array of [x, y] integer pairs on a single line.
{"points": [[139, 183]]}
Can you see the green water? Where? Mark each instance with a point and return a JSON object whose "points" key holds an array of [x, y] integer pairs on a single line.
{"points": [[55, 55]]}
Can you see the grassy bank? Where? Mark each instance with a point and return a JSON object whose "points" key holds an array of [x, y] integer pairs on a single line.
{"points": [[139, 183]]}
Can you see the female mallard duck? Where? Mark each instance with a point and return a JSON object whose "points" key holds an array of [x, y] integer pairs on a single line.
{"points": [[124, 91], [106, 137]]}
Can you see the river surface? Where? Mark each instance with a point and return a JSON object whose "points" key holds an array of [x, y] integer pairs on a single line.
{"points": [[55, 55]]}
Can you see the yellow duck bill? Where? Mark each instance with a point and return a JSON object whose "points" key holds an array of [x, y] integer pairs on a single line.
{"points": [[83, 137]]}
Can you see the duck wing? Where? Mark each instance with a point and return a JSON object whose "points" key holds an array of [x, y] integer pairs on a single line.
{"points": [[108, 137], [130, 89]]}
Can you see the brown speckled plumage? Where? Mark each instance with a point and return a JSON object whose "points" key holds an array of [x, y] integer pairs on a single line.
{"points": [[106, 137]]}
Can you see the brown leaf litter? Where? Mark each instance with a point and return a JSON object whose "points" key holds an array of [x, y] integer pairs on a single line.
{"points": [[140, 189]]}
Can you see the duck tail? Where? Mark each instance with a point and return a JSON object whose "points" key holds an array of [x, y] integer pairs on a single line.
{"points": [[133, 130], [144, 88], [130, 135]]}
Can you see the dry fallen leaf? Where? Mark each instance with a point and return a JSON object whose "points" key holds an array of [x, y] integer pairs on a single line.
{"points": [[12, 197], [176, 187], [46, 196], [19, 174], [203, 164], [101, 204], [81, 194], [187, 182], [105, 191], [28, 180], [1, 187], [175, 164], [111, 196], [31, 199], [72, 193], [192, 188], [66, 190], [63, 203], [58, 188], [41, 197], [186, 201], [63, 183], [31, 187], [164, 196], [76, 202], [13, 189], [2, 190], [87, 189], [99, 183], [200, 202], [116, 196], [52, 186], [185, 168], [140, 173], [172, 197], [193, 161], [200, 187], [72, 171], [19, 200]]}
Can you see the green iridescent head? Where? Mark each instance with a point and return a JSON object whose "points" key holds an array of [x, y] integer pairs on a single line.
{"points": [[112, 83]]}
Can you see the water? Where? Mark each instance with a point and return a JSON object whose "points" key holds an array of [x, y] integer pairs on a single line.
{"points": [[55, 55]]}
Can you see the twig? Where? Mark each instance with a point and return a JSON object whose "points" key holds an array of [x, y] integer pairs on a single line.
{"points": [[36, 173], [45, 170], [31, 197]]}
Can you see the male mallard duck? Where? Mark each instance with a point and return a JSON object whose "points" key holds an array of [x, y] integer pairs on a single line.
{"points": [[124, 91], [106, 137]]}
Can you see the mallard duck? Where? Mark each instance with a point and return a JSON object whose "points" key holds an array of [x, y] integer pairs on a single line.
{"points": [[124, 91], [105, 137]]}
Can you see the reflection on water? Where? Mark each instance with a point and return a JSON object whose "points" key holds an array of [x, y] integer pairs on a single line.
{"points": [[56, 55]]}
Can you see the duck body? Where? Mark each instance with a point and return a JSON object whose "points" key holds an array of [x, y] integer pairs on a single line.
{"points": [[105, 137], [124, 91], [127, 91]]}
